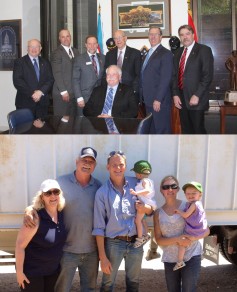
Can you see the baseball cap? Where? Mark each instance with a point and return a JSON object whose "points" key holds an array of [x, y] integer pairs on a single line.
{"points": [[110, 43], [88, 151], [142, 166], [195, 184], [49, 184]]}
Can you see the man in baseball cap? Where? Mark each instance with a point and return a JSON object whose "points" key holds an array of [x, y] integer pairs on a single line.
{"points": [[142, 167], [195, 184], [88, 152]]}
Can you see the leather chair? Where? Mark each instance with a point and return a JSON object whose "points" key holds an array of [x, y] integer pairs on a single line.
{"points": [[20, 120], [145, 125]]}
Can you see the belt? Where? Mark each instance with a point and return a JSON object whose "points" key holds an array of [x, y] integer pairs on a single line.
{"points": [[127, 238]]}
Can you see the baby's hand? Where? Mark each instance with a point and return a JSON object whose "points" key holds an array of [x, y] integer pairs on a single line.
{"points": [[132, 192]]}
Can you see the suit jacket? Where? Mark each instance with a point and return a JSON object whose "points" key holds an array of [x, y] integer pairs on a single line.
{"points": [[26, 82], [62, 70], [124, 105], [156, 78], [131, 66], [84, 78], [198, 74]]}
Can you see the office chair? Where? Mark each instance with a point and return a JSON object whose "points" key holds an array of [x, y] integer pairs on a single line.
{"points": [[145, 125], [20, 120]]}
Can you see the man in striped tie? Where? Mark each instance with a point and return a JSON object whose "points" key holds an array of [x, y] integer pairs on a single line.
{"points": [[113, 100], [193, 73]]}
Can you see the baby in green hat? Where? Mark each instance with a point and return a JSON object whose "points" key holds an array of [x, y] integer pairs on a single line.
{"points": [[145, 192], [195, 218]]}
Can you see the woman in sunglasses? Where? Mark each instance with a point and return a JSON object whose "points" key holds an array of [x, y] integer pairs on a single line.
{"points": [[169, 233], [39, 249]]}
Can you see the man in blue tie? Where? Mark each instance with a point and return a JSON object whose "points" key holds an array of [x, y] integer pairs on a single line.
{"points": [[113, 100], [155, 85], [33, 79]]}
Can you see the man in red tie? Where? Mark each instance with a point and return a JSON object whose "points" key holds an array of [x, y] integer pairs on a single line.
{"points": [[192, 76]]}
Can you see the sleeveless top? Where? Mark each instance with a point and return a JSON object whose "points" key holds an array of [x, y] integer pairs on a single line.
{"points": [[148, 198], [173, 226], [44, 251], [196, 223]]}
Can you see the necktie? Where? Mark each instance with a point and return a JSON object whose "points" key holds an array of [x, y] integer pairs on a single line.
{"points": [[36, 69], [94, 64], [70, 54], [120, 59], [108, 101], [147, 59], [181, 69], [111, 126]]}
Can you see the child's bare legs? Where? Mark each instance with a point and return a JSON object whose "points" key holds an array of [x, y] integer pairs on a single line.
{"points": [[180, 264], [145, 226], [141, 239], [138, 222], [181, 253]]}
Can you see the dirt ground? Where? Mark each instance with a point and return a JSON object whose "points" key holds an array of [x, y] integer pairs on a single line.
{"points": [[221, 278]]}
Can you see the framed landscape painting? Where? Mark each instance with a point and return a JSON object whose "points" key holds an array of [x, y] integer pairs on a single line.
{"points": [[135, 17]]}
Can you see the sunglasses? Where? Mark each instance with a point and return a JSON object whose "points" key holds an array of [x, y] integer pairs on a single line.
{"points": [[56, 192], [112, 153], [167, 187]]}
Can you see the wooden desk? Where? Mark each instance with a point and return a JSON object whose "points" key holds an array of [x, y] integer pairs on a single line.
{"points": [[80, 125], [226, 109]]}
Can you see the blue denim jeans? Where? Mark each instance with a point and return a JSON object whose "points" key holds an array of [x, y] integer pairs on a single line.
{"points": [[116, 251], [87, 264], [184, 279]]}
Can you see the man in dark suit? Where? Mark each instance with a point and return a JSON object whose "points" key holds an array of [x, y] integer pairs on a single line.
{"points": [[191, 81], [88, 69], [129, 60], [33, 79], [155, 86], [64, 101], [122, 104]]}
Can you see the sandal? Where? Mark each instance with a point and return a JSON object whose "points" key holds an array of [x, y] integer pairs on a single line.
{"points": [[141, 241], [179, 265]]}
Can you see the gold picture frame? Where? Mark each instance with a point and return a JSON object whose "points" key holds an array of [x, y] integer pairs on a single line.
{"points": [[135, 17]]}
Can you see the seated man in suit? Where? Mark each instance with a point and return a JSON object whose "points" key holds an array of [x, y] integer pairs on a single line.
{"points": [[113, 100], [127, 58]]}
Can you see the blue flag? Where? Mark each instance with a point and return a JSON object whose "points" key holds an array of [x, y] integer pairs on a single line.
{"points": [[100, 33]]}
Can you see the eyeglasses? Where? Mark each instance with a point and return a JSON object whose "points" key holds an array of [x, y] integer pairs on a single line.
{"points": [[167, 187], [112, 153], [56, 192]]}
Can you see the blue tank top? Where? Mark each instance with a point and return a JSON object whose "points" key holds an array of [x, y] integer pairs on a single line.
{"points": [[44, 251]]}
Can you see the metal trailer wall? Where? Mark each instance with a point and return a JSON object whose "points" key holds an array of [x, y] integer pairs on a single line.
{"points": [[25, 161]]}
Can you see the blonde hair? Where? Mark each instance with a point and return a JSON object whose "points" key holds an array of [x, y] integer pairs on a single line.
{"points": [[38, 203], [171, 177]]}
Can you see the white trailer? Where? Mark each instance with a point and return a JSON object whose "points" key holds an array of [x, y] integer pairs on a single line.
{"points": [[25, 161]]}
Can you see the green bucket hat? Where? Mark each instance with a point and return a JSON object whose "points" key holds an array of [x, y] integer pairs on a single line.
{"points": [[142, 166], [195, 184]]}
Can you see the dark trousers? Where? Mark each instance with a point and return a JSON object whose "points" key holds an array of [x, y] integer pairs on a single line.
{"points": [[192, 121], [41, 283], [161, 121]]}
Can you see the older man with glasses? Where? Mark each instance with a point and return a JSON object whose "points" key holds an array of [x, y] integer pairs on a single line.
{"points": [[114, 225], [33, 80], [127, 58]]}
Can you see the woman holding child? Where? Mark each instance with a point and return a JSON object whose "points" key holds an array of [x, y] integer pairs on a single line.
{"points": [[169, 233]]}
